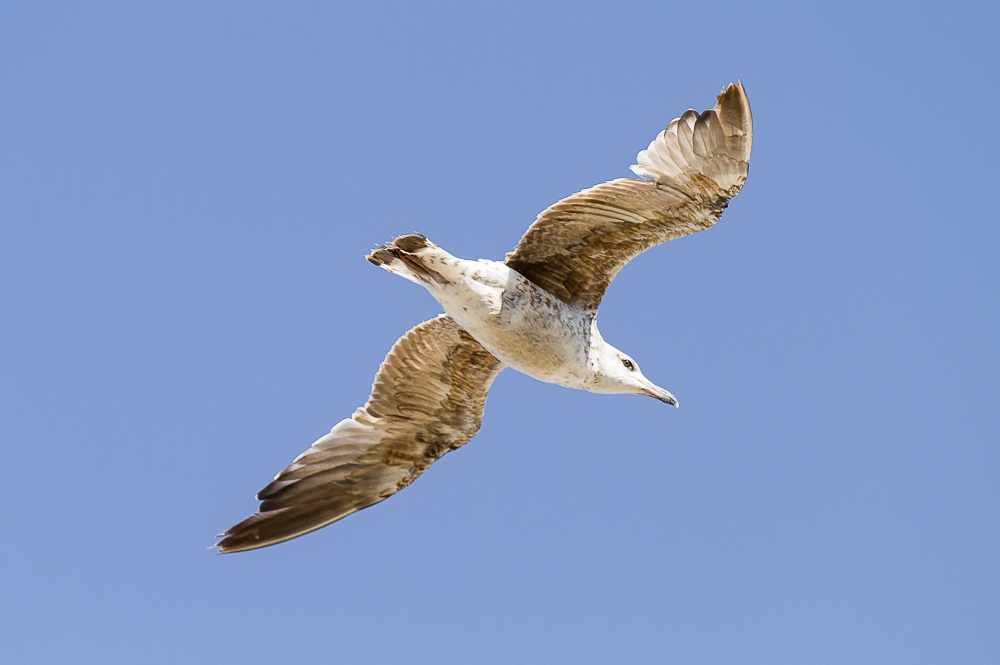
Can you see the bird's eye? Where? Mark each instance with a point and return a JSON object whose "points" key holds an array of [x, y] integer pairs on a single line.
{"points": [[629, 365]]}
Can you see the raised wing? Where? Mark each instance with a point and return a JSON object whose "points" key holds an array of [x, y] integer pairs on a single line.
{"points": [[692, 169], [427, 399]]}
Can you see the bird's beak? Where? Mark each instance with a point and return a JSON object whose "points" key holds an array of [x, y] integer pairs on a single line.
{"points": [[660, 394]]}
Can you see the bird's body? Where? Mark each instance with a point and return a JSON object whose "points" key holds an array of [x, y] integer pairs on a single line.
{"points": [[535, 312], [523, 325]]}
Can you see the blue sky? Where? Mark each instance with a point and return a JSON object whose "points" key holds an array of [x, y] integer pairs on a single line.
{"points": [[187, 192]]}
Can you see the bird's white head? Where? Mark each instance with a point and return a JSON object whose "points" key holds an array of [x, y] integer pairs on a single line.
{"points": [[617, 372]]}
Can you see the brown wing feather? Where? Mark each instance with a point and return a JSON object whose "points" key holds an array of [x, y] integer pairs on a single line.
{"points": [[694, 167], [427, 399]]}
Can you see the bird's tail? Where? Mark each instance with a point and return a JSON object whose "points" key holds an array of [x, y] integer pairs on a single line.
{"points": [[403, 257], [708, 153]]}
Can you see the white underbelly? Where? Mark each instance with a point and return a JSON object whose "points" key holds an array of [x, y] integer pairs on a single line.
{"points": [[527, 328]]}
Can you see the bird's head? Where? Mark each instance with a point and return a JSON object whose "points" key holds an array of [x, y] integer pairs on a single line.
{"points": [[617, 372]]}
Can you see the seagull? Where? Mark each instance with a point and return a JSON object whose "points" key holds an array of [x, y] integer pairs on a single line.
{"points": [[535, 312]]}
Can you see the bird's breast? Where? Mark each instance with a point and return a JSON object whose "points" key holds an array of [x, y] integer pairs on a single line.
{"points": [[523, 325]]}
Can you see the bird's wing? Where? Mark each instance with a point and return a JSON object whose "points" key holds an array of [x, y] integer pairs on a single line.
{"points": [[427, 399], [692, 169]]}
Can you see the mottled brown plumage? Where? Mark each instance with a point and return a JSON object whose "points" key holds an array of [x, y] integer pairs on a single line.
{"points": [[577, 246], [427, 399]]}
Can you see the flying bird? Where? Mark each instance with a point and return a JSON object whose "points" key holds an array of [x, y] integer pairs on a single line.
{"points": [[534, 312]]}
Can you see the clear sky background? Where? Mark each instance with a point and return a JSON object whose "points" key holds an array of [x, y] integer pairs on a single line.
{"points": [[187, 193]]}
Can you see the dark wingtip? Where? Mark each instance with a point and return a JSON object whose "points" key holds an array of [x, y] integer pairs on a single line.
{"points": [[733, 108]]}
